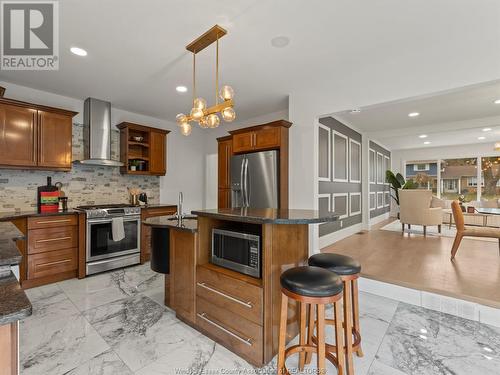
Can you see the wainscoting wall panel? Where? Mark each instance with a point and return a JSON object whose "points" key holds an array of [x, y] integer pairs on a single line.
{"points": [[340, 174], [380, 197]]}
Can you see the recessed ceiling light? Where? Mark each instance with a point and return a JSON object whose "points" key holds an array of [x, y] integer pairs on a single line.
{"points": [[497, 101], [422, 136], [356, 110], [486, 129], [413, 114], [78, 51], [427, 143], [481, 138], [181, 89], [280, 41]]}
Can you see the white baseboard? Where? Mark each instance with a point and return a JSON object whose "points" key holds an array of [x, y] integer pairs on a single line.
{"points": [[339, 235], [379, 218], [449, 305]]}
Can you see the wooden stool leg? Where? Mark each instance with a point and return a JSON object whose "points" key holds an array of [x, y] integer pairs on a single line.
{"points": [[282, 335], [310, 332], [339, 341], [355, 312], [302, 333], [348, 327], [320, 326]]}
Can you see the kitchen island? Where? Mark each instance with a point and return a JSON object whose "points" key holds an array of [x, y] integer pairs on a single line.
{"points": [[236, 310]]}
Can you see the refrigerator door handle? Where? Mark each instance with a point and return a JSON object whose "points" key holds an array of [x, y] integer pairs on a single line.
{"points": [[242, 182], [247, 193]]}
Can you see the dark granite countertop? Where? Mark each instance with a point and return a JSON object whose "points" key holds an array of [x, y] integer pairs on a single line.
{"points": [[14, 304], [12, 215], [159, 205], [170, 222], [9, 232], [9, 253], [267, 215]]}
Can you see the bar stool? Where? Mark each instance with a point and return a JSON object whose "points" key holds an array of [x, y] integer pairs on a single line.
{"points": [[348, 269], [315, 287]]}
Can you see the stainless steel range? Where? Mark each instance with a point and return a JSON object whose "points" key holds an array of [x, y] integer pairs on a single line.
{"points": [[103, 253]]}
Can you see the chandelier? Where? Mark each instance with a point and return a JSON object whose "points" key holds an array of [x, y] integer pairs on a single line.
{"points": [[208, 117]]}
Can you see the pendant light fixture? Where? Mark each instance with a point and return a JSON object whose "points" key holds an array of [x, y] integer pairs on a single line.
{"points": [[208, 117]]}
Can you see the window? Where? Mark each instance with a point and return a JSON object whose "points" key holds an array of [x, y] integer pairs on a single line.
{"points": [[421, 167], [472, 181], [490, 172], [459, 177]]}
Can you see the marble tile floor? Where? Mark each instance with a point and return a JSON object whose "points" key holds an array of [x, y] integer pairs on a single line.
{"points": [[115, 323]]}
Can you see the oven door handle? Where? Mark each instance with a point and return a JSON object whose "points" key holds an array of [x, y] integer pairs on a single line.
{"points": [[109, 220]]}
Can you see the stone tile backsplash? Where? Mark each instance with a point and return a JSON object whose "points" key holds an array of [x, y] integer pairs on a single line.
{"points": [[84, 184]]}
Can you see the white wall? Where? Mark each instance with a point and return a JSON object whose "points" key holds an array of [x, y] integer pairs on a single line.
{"points": [[185, 155]]}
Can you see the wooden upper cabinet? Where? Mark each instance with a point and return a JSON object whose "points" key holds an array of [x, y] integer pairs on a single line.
{"points": [[34, 136], [267, 138], [262, 137], [18, 133], [143, 146], [225, 151], [54, 140], [158, 154], [243, 142]]}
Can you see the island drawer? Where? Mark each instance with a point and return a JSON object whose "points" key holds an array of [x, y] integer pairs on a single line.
{"points": [[231, 330], [52, 262], [52, 221], [229, 293]]}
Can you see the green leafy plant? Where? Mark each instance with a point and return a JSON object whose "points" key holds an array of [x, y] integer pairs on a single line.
{"points": [[397, 182]]}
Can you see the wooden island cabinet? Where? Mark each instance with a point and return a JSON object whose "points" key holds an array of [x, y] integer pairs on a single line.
{"points": [[34, 136], [238, 311]]}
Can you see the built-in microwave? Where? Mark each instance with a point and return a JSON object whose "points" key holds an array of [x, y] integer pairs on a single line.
{"points": [[238, 251]]}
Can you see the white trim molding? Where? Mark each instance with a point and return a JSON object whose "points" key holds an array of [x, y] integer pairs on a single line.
{"points": [[374, 194], [351, 141], [329, 159], [335, 195], [346, 179], [382, 200]]}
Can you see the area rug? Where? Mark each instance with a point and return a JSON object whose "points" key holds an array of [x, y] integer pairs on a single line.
{"points": [[446, 231]]}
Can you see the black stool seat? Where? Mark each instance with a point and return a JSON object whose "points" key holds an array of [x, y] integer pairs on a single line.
{"points": [[340, 264], [311, 282]]}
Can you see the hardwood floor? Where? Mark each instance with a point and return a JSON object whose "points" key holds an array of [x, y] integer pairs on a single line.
{"points": [[423, 263]]}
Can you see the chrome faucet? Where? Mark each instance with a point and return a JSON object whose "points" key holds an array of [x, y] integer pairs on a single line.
{"points": [[179, 214]]}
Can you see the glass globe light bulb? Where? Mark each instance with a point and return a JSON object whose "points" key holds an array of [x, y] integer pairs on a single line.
{"points": [[228, 114], [186, 129], [181, 118], [200, 103], [196, 113], [213, 120], [226, 92], [203, 122]]}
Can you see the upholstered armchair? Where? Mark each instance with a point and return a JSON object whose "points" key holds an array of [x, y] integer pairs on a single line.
{"points": [[415, 208]]}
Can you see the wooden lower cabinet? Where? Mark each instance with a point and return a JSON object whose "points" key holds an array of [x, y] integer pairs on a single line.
{"points": [[52, 262], [241, 335], [52, 249], [183, 247], [146, 230], [9, 349]]}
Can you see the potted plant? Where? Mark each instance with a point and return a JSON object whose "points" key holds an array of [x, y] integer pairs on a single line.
{"points": [[133, 165], [397, 181]]}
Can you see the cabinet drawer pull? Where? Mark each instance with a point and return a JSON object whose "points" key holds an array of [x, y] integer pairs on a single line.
{"points": [[54, 263], [55, 239], [246, 304], [54, 221], [244, 341]]}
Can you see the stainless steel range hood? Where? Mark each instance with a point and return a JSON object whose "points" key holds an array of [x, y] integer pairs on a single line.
{"points": [[97, 133]]}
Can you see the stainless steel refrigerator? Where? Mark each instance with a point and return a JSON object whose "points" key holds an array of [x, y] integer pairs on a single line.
{"points": [[255, 180]]}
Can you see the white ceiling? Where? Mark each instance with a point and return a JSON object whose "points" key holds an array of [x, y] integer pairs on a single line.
{"points": [[137, 56], [447, 118]]}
